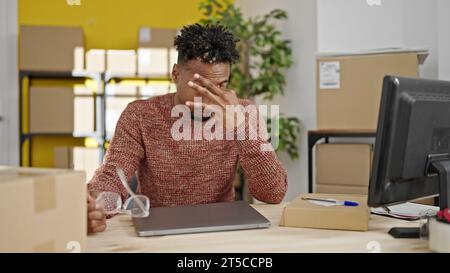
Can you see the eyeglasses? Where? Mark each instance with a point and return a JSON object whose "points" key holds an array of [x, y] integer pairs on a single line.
{"points": [[138, 206], [112, 204]]}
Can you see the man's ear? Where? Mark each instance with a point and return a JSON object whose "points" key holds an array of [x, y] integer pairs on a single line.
{"points": [[175, 73]]}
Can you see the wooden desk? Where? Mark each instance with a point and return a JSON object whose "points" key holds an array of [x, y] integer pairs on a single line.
{"points": [[120, 237]]}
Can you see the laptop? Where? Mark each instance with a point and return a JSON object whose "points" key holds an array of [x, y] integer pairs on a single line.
{"points": [[200, 218]]}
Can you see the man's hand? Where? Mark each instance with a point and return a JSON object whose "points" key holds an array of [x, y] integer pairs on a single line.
{"points": [[218, 96], [96, 216]]}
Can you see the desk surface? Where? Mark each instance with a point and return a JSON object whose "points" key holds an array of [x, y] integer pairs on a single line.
{"points": [[121, 237]]}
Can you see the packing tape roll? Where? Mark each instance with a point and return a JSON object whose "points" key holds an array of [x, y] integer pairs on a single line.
{"points": [[439, 235]]}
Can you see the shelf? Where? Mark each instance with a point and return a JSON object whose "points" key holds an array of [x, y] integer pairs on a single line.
{"points": [[134, 77], [62, 134], [342, 132], [99, 136], [59, 74]]}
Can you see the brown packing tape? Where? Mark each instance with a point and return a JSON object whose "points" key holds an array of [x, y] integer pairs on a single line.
{"points": [[44, 194], [47, 247]]}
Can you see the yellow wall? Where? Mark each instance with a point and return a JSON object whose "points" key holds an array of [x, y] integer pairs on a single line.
{"points": [[110, 23], [107, 24]]}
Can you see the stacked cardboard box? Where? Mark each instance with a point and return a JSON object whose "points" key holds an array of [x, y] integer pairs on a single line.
{"points": [[78, 158], [348, 98], [114, 108], [43, 210], [122, 62], [57, 110], [156, 53], [55, 49], [96, 60], [153, 62], [343, 168], [156, 37], [349, 86]]}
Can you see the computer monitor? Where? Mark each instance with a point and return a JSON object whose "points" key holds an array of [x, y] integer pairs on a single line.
{"points": [[412, 147]]}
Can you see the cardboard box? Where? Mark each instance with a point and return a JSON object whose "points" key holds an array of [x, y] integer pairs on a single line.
{"points": [[304, 214], [84, 116], [122, 90], [96, 60], [114, 108], [51, 110], [79, 59], [173, 58], [82, 90], [121, 62], [154, 89], [349, 86], [153, 62], [343, 168], [78, 158], [50, 48], [57, 110], [43, 210], [157, 37]]}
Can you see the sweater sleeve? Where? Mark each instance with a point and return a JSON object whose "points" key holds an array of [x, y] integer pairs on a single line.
{"points": [[266, 176], [126, 151]]}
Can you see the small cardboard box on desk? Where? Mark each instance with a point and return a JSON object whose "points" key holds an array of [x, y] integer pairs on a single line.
{"points": [[305, 214], [43, 210]]}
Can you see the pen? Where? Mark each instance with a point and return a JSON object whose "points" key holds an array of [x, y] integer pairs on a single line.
{"points": [[340, 203]]}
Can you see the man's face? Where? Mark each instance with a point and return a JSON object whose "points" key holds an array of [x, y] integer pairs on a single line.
{"points": [[218, 73]]}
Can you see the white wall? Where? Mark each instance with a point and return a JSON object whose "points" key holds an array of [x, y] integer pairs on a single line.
{"points": [[420, 30], [444, 39], [348, 25], [9, 132], [299, 99]]}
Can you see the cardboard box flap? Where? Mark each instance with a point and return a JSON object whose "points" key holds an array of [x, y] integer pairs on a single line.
{"points": [[8, 173], [422, 53]]}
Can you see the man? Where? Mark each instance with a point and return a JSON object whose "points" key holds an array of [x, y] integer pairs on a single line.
{"points": [[183, 172]]}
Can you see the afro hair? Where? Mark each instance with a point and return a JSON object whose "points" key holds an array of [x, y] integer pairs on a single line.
{"points": [[210, 44]]}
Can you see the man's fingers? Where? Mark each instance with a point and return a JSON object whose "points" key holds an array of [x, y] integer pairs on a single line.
{"points": [[96, 229], [91, 206], [96, 215], [99, 229], [209, 85], [203, 91], [96, 223]]}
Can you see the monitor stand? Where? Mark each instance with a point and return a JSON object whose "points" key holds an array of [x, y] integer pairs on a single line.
{"points": [[442, 168]]}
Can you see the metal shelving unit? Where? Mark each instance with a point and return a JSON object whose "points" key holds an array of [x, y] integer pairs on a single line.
{"points": [[32, 75], [101, 79]]}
